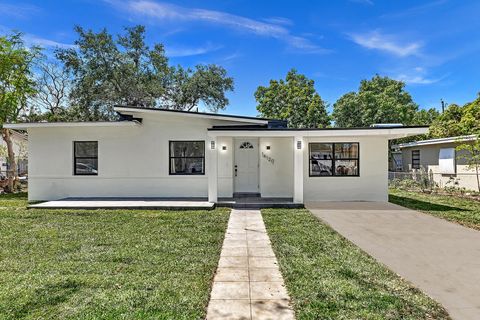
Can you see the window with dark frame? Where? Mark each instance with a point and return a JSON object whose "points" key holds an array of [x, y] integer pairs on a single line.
{"points": [[339, 159], [85, 158], [415, 159], [187, 157]]}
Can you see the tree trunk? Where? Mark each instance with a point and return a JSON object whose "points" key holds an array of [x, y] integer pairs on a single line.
{"points": [[478, 178], [12, 166]]}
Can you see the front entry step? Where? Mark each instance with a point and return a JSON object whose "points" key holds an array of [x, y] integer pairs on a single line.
{"points": [[237, 195]]}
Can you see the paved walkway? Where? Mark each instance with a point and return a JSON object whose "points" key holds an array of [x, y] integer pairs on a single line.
{"points": [[439, 257], [248, 283]]}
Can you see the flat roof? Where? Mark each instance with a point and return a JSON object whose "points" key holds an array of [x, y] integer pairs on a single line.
{"points": [[120, 108], [27, 125], [390, 132], [234, 128], [471, 137]]}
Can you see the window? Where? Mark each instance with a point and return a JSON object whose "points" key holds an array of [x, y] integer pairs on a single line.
{"points": [[85, 158], [246, 145], [334, 159], [415, 159], [187, 157]]}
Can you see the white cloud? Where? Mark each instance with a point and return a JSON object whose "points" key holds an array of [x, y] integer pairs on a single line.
{"points": [[279, 20], [172, 51], [417, 75], [378, 41], [20, 11], [367, 2], [415, 79], [31, 40], [163, 12]]}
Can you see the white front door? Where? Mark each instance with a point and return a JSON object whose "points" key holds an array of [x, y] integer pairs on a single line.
{"points": [[246, 165]]}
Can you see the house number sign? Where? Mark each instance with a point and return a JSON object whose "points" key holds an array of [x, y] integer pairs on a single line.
{"points": [[268, 158]]}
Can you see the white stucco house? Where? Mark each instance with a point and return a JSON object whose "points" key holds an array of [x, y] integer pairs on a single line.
{"points": [[166, 153], [439, 158]]}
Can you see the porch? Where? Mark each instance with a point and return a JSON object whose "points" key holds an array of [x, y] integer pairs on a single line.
{"points": [[165, 203]]}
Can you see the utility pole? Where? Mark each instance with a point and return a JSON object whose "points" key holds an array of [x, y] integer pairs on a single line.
{"points": [[443, 105]]}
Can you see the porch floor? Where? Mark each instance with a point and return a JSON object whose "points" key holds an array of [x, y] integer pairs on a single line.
{"points": [[165, 203], [258, 203], [127, 203]]}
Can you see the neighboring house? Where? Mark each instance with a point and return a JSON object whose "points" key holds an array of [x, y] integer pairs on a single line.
{"points": [[166, 153], [20, 144], [437, 157]]}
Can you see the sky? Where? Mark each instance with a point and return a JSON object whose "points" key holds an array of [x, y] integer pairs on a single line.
{"points": [[433, 46]]}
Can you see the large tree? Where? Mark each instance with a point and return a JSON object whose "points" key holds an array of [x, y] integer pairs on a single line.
{"points": [[125, 70], [294, 99], [378, 100], [51, 101], [17, 85]]}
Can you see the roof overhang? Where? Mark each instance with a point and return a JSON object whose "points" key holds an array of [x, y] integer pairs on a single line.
{"points": [[29, 125], [215, 116], [389, 133], [457, 139]]}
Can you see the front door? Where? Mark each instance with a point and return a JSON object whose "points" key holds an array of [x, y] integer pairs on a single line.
{"points": [[246, 165]]}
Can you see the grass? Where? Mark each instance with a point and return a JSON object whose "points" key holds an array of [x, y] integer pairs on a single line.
{"points": [[106, 264], [459, 210], [328, 277]]}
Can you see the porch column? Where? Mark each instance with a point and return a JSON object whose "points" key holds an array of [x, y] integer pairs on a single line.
{"points": [[298, 148], [212, 169]]}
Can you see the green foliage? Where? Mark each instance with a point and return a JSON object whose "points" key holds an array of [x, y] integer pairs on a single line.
{"points": [[425, 117], [108, 71], [471, 155], [294, 99], [448, 123], [457, 120], [379, 100], [16, 77]]}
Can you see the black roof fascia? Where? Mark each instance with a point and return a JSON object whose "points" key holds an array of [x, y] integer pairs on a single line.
{"points": [[200, 113], [230, 128]]}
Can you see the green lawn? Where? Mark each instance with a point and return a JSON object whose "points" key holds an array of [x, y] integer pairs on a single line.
{"points": [[100, 264], [463, 211], [328, 277]]}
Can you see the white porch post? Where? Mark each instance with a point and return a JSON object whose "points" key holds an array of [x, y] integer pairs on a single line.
{"points": [[212, 170], [298, 168]]}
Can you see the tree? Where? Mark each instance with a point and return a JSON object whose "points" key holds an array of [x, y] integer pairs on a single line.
{"points": [[53, 90], [187, 87], [470, 121], [126, 71], [425, 117], [17, 85], [448, 123], [294, 99], [379, 100], [471, 155]]}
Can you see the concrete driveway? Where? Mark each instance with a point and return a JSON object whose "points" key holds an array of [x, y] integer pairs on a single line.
{"points": [[439, 257]]}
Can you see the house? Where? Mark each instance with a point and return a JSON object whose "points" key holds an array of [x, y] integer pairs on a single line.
{"points": [[439, 158], [167, 153], [20, 149]]}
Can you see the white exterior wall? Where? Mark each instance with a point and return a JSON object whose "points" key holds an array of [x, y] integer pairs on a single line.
{"points": [[276, 179], [464, 176], [371, 185], [132, 161]]}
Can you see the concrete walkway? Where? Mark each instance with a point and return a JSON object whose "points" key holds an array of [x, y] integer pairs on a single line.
{"points": [[248, 283], [439, 257]]}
